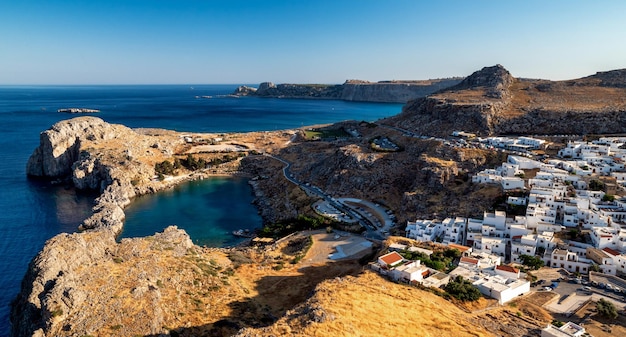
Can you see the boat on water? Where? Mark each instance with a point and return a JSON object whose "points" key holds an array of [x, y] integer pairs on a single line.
{"points": [[244, 233]]}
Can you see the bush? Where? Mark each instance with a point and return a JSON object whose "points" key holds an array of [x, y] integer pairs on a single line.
{"points": [[164, 168]]}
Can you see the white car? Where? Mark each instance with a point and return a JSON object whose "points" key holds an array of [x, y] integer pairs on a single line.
{"points": [[547, 288]]}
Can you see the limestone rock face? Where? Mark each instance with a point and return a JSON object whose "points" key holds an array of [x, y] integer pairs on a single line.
{"points": [[245, 91], [399, 92], [59, 146], [264, 87], [50, 287], [73, 287]]}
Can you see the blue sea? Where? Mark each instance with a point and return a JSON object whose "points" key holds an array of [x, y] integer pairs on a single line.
{"points": [[32, 212]]}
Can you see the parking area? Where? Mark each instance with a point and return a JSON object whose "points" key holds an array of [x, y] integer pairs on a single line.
{"points": [[571, 292]]}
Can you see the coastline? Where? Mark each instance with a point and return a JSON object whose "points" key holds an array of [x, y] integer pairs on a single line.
{"points": [[94, 165]]}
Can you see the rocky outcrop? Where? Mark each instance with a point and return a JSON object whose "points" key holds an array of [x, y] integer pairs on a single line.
{"points": [[352, 90], [88, 151], [245, 91], [495, 80], [74, 272], [491, 101], [59, 146], [613, 78]]}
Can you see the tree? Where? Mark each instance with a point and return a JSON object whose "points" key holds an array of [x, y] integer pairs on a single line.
{"points": [[596, 185], [462, 289], [608, 197], [606, 309], [594, 267], [532, 262]]}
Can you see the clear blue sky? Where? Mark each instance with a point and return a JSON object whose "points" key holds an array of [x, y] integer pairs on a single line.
{"points": [[308, 41]]}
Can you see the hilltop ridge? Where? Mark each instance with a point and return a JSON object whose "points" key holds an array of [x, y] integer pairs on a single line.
{"points": [[491, 101]]}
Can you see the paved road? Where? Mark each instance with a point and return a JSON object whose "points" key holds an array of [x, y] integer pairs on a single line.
{"points": [[372, 232]]}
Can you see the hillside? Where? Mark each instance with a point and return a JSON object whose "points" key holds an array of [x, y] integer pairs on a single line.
{"points": [[369, 305], [492, 101]]}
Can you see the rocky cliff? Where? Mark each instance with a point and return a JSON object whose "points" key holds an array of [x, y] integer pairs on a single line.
{"points": [[491, 101], [352, 90], [94, 155]]}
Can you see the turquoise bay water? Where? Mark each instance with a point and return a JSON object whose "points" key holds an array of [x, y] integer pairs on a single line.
{"points": [[32, 212], [209, 210]]}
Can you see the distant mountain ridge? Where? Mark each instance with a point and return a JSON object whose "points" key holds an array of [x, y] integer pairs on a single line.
{"points": [[352, 90], [492, 101]]}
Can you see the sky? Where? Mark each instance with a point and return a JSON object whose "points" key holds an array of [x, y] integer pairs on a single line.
{"points": [[307, 41]]}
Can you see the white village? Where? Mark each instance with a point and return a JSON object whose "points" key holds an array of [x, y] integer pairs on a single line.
{"points": [[574, 222]]}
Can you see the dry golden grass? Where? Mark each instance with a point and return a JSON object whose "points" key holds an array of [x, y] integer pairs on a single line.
{"points": [[438, 161], [369, 305]]}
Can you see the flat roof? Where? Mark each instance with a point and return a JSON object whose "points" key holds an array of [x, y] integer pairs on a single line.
{"points": [[391, 258]]}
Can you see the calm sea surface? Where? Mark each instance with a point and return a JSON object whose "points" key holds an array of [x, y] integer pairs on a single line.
{"points": [[32, 212]]}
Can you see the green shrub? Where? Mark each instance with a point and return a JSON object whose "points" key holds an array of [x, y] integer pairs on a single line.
{"points": [[606, 309], [462, 289]]}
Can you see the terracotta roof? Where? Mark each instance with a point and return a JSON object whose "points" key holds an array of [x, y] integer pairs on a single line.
{"points": [[391, 258], [459, 247], [611, 251], [469, 260], [507, 268]]}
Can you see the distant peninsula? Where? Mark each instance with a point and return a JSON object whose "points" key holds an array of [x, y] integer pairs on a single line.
{"points": [[353, 90]]}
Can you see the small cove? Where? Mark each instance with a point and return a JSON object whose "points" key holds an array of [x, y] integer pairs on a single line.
{"points": [[208, 210]]}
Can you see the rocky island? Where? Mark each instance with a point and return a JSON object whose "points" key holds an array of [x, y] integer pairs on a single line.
{"points": [[87, 283], [78, 110]]}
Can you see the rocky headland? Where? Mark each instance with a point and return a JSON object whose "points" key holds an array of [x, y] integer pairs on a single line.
{"points": [[491, 101], [352, 90]]}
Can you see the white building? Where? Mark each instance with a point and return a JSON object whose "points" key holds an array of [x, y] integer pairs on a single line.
{"points": [[453, 230], [423, 230], [569, 329]]}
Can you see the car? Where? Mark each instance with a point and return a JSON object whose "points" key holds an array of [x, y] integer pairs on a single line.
{"points": [[547, 288], [586, 288]]}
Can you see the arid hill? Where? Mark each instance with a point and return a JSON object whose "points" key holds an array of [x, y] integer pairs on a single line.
{"points": [[492, 101]]}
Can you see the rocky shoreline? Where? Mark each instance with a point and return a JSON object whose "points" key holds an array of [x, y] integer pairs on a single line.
{"points": [[84, 149]]}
